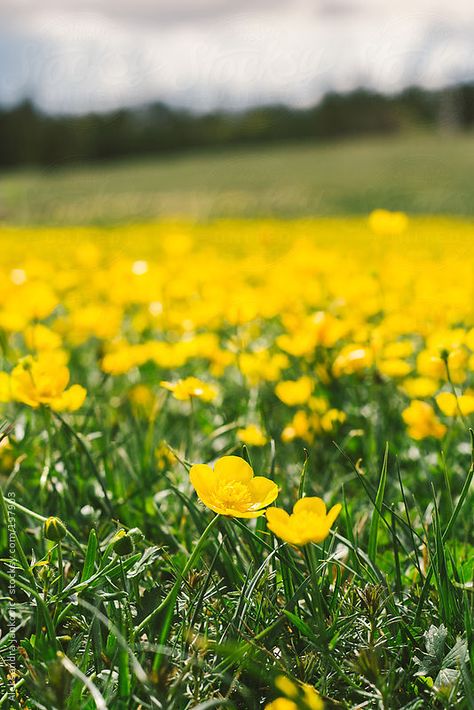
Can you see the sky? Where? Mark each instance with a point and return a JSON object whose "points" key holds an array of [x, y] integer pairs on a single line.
{"points": [[74, 56]]}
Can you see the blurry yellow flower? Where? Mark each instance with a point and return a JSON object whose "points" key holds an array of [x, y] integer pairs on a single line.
{"points": [[386, 223], [301, 427], [7, 459], [457, 362], [232, 489], [94, 320], [252, 435], [38, 337], [261, 366], [297, 696], [450, 406], [5, 387], [352, 358], [297, 344], [191, 387], [164, 457], [422, 421], [43, 381], [294, 392], [399, 349], [469, 339], [419, 387], [309, 521], [281, 704], [394, 367], [429, 364], [332, 417], [286, 686], [319, 404]]}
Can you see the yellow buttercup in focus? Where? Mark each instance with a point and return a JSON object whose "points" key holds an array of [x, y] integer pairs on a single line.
{"points": [[230, 488], [309, 521]]}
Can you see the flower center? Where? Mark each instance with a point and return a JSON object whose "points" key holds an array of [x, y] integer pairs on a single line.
{"points": [[234, 495]]}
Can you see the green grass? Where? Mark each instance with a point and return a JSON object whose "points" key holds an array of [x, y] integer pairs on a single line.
{"points": [[416, 173], [378, 616]]}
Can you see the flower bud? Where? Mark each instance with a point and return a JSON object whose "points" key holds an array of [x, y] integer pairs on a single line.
{"points": [[54, 529], [123, 543]]}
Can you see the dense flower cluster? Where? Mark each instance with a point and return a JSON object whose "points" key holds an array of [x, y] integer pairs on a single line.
{"points": [[267, 304]]}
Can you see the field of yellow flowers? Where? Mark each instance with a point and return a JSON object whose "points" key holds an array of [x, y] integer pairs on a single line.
{"points": [[236, 465]]}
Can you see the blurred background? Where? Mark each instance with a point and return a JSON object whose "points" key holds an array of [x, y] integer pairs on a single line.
{"points": [[113, 110]]}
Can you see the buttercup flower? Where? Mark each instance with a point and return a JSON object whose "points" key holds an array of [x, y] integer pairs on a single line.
{"points": [[293, 392], [232, 489], [450, 405], [386, 223], [422, 421], [5, 387], [43, 381], [352, 358], [309, 521], [252, 435], [307, 696], [416, 387], [191, 387]]}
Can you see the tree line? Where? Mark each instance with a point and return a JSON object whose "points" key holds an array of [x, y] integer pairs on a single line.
{"points": [[31, 137]]}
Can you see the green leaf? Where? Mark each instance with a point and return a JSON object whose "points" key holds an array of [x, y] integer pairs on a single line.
{"points": [[374, 525]]}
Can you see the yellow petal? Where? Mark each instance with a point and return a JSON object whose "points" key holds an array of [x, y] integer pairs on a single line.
{"points": [[277, 520], [233, 468], [243, 514], [203, 479], [318, 531], [310, 504], [70, 400], [263, 491], [446, 401], [333, 513]]}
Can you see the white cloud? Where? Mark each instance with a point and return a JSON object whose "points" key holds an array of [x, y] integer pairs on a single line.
{"points": [[98, 54]]}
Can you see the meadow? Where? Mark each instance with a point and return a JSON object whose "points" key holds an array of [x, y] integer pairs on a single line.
{"points": [[236, 464], [332, 356], [419, 173]]}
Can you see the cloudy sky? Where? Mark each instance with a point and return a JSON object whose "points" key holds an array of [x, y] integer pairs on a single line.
{"points": [[80, 55]]}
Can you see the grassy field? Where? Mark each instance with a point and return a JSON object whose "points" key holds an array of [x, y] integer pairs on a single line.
{"points": [[169, 394], [429, 174]]}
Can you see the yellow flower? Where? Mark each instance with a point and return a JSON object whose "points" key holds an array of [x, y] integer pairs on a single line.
{"points": [[301, 426], [416, 387], [232, 489], [43, 381], [430, 365], [164, 457], [252, 435], [5, 388], [261, 366], [448, 404], [352, 358], [386, 223], [394, 367], [422, 421], [190, 387], [309, 521], [38, 337], [293, 392], [307, 696], [332, 417], [281, 704]]}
